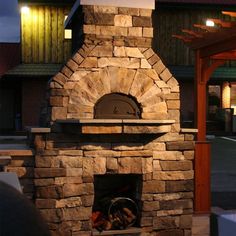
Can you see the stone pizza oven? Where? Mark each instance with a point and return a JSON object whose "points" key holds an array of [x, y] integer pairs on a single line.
{"points": [[114, 117]]}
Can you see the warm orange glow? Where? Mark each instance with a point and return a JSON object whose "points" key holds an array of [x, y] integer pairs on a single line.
{"points": [[25, 10], [226, 95]]}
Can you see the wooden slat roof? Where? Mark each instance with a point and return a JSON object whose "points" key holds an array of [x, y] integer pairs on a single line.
{"points": [[218, 41]]}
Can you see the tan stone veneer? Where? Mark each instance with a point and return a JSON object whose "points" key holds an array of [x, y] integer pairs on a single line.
{"points": [[116, 57]]}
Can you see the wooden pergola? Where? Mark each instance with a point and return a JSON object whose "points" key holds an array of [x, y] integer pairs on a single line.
{"points": [[213, 46]]}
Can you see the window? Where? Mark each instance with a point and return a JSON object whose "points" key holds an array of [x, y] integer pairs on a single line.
{"points": [[67, 32]]}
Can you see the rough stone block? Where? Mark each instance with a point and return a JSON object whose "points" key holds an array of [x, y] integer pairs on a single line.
{"points": [[135, 32], [60, 78], [73, 172], [44, 182], [124, 165], [153, 116], [89, 62], [151, 206], [173, 104], [180, 186], [70, 152], [45, 203], [145, 64], [158, 107], [58, 101], [154, 186], [153, 59], [59, 113], [101, 129], [146, 221], [105, 9], [52, 215], [49, 161], [176, 165], [173, 175], [147, 32], [74, 190], [102, 51], [49, 172], [189, 155], [123, 20], [145, 12], [166, 75], [186, 221], [141, 153], [147, 129], [180, 145], [72, 65], [148, 53], [119, 52], [77, 58], [128, 11], [147, 165], [159, 67], [89, 29], [78, 213], [99, 165], [69, 202], [133, 52], [176, 204], [166, 222], [88, 167], [66, 71], [136, 166], [112, 165], [48, 192], [142, 21], [174, 115]]}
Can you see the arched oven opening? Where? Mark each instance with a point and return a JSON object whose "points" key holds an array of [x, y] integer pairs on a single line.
{"points": [[117, 106]]}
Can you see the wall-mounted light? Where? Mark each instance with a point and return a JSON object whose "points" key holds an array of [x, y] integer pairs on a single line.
{"points": [[25, 10], [210, 23]]}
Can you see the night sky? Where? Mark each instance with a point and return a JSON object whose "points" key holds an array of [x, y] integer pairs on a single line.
{"points": [[9, 21]]}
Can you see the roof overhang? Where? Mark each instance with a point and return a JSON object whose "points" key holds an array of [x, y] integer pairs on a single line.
{"points": [[33, 71], [47, 2]]}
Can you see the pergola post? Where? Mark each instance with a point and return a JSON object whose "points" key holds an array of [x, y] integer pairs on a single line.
{"points": [[202, 201]]}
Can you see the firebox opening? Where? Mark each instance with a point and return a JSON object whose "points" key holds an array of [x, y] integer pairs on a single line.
{"points": [[117, 201], [117, 106]]}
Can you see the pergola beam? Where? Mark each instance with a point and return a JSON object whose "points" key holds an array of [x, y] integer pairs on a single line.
{"points": [[214, 48]]}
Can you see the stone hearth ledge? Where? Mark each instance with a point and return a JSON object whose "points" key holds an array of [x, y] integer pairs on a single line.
{"points": [[115, 121], [116, 126]]}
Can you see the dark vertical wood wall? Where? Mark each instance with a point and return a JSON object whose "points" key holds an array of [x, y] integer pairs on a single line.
{"points": [[42, 35], [171, 20]]}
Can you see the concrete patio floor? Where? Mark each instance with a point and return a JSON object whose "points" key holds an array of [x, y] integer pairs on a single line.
{"points": [[223, 172]]}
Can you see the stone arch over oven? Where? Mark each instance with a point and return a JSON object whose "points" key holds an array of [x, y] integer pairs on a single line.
{"points": [[136, 72], [142, 85]]}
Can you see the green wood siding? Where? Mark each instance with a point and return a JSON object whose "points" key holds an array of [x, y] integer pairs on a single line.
{"points": [[42, 35]]}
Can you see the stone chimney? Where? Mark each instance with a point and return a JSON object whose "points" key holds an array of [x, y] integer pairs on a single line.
{"points": [[124, 26], [114, 114]]}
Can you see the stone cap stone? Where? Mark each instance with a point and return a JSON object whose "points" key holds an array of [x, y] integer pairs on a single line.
{"points": [[145, 4], [188, 130], [114, 121], [39, 130]]}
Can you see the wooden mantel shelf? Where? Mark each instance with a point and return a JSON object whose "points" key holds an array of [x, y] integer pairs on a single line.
{"points": [[116, 126]]}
